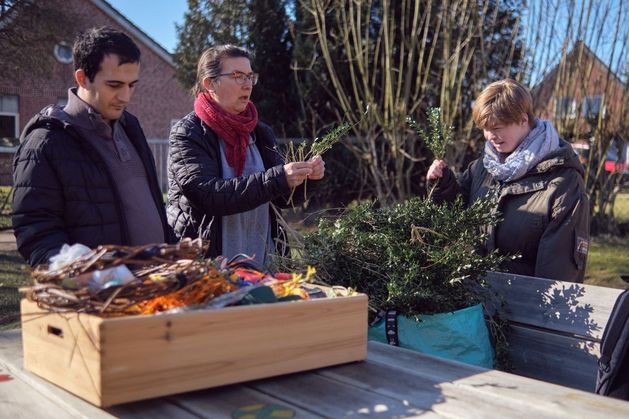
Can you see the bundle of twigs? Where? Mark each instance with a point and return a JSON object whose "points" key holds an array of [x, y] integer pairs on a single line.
{"points": [[154, 279], [158, 270], [109, 256]]}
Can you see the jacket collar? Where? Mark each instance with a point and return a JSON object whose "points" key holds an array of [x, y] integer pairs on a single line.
{"points": [[79, 113], [564, 156]]}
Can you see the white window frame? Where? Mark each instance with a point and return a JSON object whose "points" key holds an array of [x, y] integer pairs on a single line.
{"points": [[570, 111], [17, 122], [592, 113], [57, 54]]}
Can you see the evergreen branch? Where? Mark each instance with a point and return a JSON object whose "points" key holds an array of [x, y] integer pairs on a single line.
{"points": [[433, 269], [307, 150], [440, 135], [319, 147]]}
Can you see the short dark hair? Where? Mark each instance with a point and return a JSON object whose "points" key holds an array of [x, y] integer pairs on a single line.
{"points": [[209, 65], [91, 46]]}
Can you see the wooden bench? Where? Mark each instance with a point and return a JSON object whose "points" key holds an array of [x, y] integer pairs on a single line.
{"points": [[556, 327]]}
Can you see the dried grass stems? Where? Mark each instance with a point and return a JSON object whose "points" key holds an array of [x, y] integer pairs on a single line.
{"points": [[308, 150]]}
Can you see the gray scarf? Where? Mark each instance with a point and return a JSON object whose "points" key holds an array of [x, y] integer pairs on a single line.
{"points": [[542, 140]]}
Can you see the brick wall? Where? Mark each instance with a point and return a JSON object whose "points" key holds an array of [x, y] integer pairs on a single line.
{"points": [[158, 99]]}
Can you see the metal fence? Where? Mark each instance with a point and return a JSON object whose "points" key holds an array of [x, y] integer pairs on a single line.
{"points": [[159, 147]]}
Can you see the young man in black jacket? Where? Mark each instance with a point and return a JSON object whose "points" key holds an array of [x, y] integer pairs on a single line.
{"points": [[84, 173]]}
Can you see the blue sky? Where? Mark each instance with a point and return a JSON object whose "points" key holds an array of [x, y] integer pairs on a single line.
{"points": [[610, 45], [156, 18]]}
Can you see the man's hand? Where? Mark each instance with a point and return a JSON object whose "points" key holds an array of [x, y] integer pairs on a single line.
{"points": [[436, 170], [297, 172]]}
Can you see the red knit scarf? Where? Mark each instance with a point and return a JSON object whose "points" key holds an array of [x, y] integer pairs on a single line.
{"points": [[233, 129]]}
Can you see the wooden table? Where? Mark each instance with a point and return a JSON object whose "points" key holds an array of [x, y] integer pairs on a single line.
{"points": [[392, 382]]}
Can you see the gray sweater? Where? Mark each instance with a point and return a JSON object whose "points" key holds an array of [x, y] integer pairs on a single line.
{"points": [[247, 232], [143, 222]]}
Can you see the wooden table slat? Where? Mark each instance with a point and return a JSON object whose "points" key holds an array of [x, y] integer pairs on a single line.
{"points": [[223, 401], [18, 400], [444, 398], [153, 409], [493, 384], [334, 399]]}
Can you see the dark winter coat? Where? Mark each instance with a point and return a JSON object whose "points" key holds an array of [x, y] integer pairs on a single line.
{"points": [[64, 192], [198, 196], [545, 214]]}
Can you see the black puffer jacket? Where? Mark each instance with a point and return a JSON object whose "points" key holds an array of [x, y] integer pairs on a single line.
{"points": [[545, 214], [198, 196], [64, 193]]}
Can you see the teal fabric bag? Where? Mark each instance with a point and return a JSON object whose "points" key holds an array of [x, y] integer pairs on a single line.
{"points": [[460, 335]]}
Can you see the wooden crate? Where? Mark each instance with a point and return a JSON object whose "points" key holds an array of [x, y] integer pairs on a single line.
{"points": [[117, 360]]}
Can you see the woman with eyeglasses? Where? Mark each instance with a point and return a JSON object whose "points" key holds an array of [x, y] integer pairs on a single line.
{"points": [[224, 169]]}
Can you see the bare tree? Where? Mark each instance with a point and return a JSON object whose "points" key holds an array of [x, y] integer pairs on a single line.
{"points": [[397, 58], [401, 57], [582, 41], [29, 30]]}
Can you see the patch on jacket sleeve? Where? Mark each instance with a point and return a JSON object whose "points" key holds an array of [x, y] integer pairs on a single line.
{"points": [[582, 245]]}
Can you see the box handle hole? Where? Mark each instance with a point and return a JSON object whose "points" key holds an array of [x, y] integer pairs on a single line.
{"points": [[55, 331]]}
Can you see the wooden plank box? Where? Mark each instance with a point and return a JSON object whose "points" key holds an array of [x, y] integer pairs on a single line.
{"points": [[118, 360]]}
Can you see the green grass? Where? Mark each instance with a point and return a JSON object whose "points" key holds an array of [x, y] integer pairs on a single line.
{"points": [[621, 208], [14, 273], [607, 259], [609, 256], [5, 207]]}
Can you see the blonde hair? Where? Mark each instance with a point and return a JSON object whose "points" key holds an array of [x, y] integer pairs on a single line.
{"points": [[503, 102]]}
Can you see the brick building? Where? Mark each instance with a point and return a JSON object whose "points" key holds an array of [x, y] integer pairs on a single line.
{"points": [[579, 89], [581, 95], [159, 98]]}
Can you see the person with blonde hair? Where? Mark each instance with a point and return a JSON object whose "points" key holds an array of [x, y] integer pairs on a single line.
{"points": [[536, 180]]}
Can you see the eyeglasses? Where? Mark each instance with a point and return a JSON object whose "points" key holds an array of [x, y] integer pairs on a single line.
{"points": [[241, 78]]}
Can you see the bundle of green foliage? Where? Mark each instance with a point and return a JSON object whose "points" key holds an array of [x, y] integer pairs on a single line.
{"points": [[439, 136], [307, 150], [417, 256]]}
